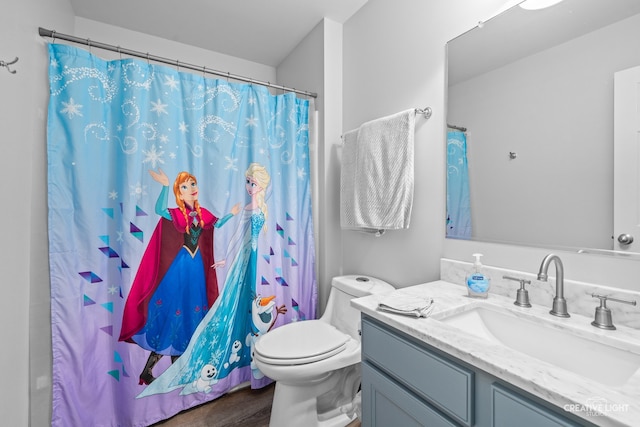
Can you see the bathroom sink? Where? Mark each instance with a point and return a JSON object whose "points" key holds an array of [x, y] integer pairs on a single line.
{"points": [[550, 343]]}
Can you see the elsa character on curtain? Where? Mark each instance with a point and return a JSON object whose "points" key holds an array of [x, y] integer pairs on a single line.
{"points": [[174, 286], [219, 344]]}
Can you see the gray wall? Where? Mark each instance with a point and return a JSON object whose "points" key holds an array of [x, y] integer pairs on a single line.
{"points": [[316, 64], [24, 261], [394, 60]]}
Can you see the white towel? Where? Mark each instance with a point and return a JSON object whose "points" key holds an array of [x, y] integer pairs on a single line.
{"points": [[376, 181], [407, 305]]}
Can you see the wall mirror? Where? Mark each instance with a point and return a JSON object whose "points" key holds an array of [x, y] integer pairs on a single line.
{"points": [[534, 90]]}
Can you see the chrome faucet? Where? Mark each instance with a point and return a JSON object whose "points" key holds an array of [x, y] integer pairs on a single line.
{"points": [[559, 303], [603, 314]]}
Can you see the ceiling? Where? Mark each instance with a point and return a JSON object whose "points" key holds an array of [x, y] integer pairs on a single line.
{"points": [[517, 33], [262, 31]]}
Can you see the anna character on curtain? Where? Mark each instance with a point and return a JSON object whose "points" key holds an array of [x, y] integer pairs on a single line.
{"points": [[174, 286], [222, 341]]}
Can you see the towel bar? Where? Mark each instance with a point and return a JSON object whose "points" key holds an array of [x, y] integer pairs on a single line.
{"points": [[426, 112]]}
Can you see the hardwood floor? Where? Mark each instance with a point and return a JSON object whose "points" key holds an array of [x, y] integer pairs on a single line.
{"points": [[244, 407]]}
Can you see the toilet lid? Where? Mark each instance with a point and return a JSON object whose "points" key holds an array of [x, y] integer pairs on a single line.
{"points": [[300, 342]]}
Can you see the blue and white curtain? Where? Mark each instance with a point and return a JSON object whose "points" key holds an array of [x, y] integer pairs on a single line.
{"points": [[180, 230], [458, 198]]}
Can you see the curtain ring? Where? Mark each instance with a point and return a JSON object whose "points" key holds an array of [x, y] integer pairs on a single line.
{"points": [[148, 63], [119, 52], [204, 70], [228, 74], [177, 65], [53, 36], [89, 44]]}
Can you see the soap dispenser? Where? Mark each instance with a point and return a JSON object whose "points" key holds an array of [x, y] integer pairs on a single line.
{"points": [[478, 283]]}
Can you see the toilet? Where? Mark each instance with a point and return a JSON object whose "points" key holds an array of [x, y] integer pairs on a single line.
{"points": [[316, 363]]}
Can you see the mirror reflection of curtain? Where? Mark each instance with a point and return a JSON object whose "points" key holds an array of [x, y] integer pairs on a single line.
{"points": [[458, 200], [154, 177]]}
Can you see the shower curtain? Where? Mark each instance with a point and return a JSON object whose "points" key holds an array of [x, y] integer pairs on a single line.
{"points": [[458, 200], [180, 230]]}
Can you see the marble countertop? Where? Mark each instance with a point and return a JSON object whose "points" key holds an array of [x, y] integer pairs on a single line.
{"points": [[599, 403]]}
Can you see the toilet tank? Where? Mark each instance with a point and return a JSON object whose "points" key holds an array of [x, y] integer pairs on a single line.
{"points": [[339, 312]]}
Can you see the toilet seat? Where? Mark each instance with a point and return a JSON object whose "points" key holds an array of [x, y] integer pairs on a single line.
{"points": [[299, 343]]}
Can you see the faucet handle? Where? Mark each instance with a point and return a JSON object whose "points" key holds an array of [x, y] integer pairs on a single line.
{"points": [[522, 295], [603, 318]]}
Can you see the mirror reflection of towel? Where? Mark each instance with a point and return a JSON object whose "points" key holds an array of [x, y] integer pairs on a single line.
{"points": [[377, 177]]}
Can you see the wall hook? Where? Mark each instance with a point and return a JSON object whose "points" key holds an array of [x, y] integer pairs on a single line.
{"points": [[6, 64]]}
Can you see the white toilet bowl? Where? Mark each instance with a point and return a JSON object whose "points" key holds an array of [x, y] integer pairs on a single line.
{"points": [[316, 363]]}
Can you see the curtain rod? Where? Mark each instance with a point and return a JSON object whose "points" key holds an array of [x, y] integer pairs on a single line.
{"points": [[55, 35], [460, 128]]}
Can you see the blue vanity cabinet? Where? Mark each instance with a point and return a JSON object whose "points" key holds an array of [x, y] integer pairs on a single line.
{"points": [[406, 382], [386, 403], [509, 405]]}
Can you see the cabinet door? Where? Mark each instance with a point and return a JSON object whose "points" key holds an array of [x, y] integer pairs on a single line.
{"points": [[436, 379], [385, 403], [511, 409]]}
